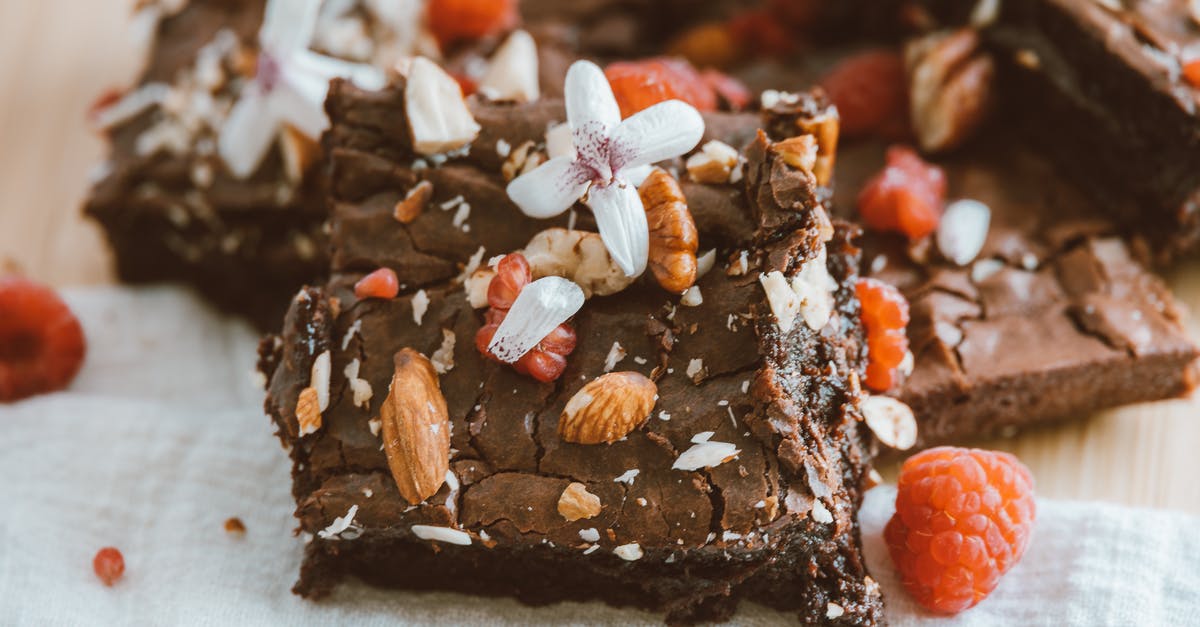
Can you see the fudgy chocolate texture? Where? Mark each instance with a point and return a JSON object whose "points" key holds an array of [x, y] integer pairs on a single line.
{"points": [[776, 524], [1053, 319], [1101, 92]]}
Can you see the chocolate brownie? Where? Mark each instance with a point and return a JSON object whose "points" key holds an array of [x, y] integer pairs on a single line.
{"points": [[1052, 319], [774, 523], [168, 203], [1100, 87]]}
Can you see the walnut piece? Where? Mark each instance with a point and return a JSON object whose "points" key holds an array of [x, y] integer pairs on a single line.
{"points": [[950, 87]]}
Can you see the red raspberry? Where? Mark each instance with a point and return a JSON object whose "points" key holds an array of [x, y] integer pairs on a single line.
{"points": [[963, 518], [729, 89], [640, 84], [906, 196], [546, 361], [761, 34], [885, 316], [871, 94], [457, 20], [381, 283], [1191, 72], [41, 342], [109, 565]]}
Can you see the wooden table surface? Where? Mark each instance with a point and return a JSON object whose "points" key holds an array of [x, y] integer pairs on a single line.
{"points": [[57, 55]]}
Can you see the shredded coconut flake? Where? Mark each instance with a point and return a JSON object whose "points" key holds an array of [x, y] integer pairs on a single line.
{"points": [[627, 477], [339, 526], [442, 534], [443, 358], [629, 552], [320, 378], [615, 355], [420, 304], [705, 454]]}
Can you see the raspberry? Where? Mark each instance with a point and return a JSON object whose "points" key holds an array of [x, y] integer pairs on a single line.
{"points": [[963, 519], [1191, 73], [761, 34], [885, 316], [381, 283], [871, 94], [641, 84], [906, 196], [730, 90], [109, 565], [41, 342], [546, 361], [452, 21]]}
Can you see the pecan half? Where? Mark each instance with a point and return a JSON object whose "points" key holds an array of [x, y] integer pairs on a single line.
{"points": [[950, 87], [673, 236], [416, 427]]}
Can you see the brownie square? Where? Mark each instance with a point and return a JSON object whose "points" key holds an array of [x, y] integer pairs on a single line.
{"points": [[774, 524], [1053, 319]]}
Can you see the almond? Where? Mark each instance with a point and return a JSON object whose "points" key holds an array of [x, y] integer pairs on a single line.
{"points": [[576, 503], [891, 421], [608, 408], [308, 411], [414, 202], [416, 427]]}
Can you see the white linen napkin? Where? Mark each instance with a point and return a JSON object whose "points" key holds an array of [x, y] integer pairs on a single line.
{"points": [[161, 438]]}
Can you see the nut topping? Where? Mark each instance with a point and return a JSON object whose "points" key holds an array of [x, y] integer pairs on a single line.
{"points": [[308, 411], [416, 428], [891, 421], [950, 87], [673, 236], [576, 503], [414, 203], [825, 128], [608, 408]]}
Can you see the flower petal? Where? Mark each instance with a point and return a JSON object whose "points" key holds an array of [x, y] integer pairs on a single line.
{"points": [[621, 220], [327, 68], [289, 24], [247, 133], [549, 189], [589, 97], [539, 309], [299, 99], [665, 130]]}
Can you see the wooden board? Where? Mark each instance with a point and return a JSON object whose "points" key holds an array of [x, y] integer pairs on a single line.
{"points": [[57, 55]]}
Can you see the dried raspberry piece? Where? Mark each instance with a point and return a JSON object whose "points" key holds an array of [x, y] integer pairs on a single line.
{"points": [[512, 275], [641, 84], [451, 21], [41, 343], [109, 565], [906, 196], [465, 83], [730, 90], [761, 34], [1191, 73], [546, 361], [885, 316], [381, 283], [963, 519], [871, 94]]}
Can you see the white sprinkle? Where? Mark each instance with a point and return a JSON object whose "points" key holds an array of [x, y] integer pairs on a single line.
{"points": [[615, 355], [503, 148], [639, 360], [420, 304], [627, 477], [664, 416], [339, 525], [629, 552], [460, 216], [443, 534], [351, 332], [452, 203], [730, 536]]}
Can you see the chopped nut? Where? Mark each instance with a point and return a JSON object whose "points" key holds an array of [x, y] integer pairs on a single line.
{"points": [[580, 256], [825, 127], [476, 287], [629, 552], [520, 160], [513, 73], [950, 87], [714, 164], [608, 408], [438, 117], [577, 503], [962, 230], [891, 421], [415, 202], [235, 525], [798, 152], [673, 236], [308, 411], [416, 428]]}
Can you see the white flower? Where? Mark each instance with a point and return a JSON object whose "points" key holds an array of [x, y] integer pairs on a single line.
{"points": [[610, 156], [289, 87]]}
